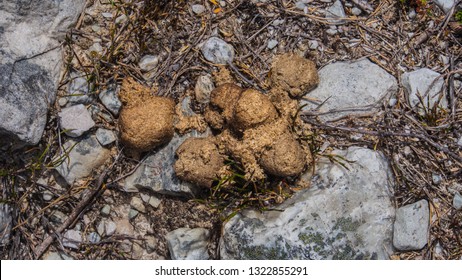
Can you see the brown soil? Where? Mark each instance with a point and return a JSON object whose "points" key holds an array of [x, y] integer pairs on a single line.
{"points": [[199, 161], [145, 121], [294, 74]]}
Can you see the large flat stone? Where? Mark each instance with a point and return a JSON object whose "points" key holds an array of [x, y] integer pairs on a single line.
{"points": [[84, 157], [349, 88], [345, 214], [30, 64]]}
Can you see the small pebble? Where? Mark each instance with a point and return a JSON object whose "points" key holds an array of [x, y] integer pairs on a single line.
{"points": [[62, 101], [272, 44], [300, 5], [121, 19], [107, 15], [132, 214], [277, 22], [148, 62], [96, 28], [457, 201], [47, 195], [110, 227], [72, 239], [100, 228], [412, 14], [356, 11], [459, 142], [137, 204], [407, 150], [436, 179], [105, 136], [331, 32], [313, 44], [106, 210], [198, 9], [154, 201], [93, 237]]}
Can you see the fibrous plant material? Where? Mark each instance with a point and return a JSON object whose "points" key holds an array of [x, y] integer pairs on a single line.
{"points": [[146, 121]]}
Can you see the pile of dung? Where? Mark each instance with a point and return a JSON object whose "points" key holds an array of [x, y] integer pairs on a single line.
{"points": [[262, 132], [146, 121]]}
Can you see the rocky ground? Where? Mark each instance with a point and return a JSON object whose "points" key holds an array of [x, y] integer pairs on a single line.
{"points": [[99, 96]]}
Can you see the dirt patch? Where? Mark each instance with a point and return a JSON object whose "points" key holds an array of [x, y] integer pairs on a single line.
{"points": [[294, 74], [146, 121], [199, 161]]}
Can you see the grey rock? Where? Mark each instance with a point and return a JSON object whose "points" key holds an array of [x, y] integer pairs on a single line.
{"points": [[457, 201], [331, 31], [93, 237], [62, 101], [436, 178], [100, 228], [272, 44], [198, 9], [188, 244], [121, 19], [411, 226], [412, 14], [110, 228], [445, 5], [47, 196], [217, 51], [156, 173], [151, 244], [132, 213], [335, 13], [97, 48], [418, 82], [75, 120], [105, 136], [137, 251], [83, 158], [30, 64], [72, 239], [58, 217], [345, 214], [300, 5], [148, 62], [5, 223], [106, 210], [55, 256], [356, 11], [313, 44], [277, 22], [154, 201], [349, 88], [137, 204], [107, 15], [79, 90], [110, 99], [204, 86], [459, 142]]}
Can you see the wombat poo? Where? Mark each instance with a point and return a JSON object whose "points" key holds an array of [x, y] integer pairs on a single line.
{"points": [[256, 129], [294, 74], [145, 121], [199, 161]]}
